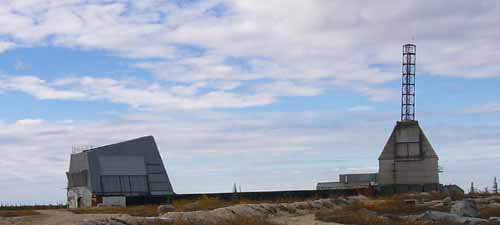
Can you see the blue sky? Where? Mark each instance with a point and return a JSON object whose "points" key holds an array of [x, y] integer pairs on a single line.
{"points": [[243, 91]]}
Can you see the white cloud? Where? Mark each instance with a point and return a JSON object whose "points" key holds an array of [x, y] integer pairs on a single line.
{"points": [[29, 122], [242, 148], [322, 42], [4, 46], [36, 87], [486, 108], [284, 88], [360, 108], [135, 94]]}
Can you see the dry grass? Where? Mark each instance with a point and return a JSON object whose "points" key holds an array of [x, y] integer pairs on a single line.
{"points": [[489, 212], [18, 213], [203, 203], [365, 213], [233, 221], [145, 210]]}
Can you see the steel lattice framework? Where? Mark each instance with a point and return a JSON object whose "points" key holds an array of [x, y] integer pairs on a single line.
{"points": [[408, 82]]}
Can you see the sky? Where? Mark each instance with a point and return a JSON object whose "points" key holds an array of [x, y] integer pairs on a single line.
{"points": [[272, 95]]}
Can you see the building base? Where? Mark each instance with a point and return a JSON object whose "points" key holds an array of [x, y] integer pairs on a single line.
{"points": [[406, 188]]}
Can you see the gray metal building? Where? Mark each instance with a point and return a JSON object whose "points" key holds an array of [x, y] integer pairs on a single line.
{"points": [[408, 161], [128, 169]]}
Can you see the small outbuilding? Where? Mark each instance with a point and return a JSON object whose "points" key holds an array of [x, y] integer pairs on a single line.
{"points": [[124, 173], [350, 182]]}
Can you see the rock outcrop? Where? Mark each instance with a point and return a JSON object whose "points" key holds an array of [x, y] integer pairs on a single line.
{"points": [[450, 217], [259, 210], [467, 208], [162, 209]]}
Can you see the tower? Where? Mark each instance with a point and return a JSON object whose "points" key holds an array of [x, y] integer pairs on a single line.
{"points": [[408, 82], [408, 161]]}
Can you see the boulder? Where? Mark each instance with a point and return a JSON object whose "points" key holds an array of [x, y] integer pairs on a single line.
{"points": [[447, 200], [431, 203], [493, 199], [493, 205], [439, 205], [482, 200], [162, 209], [449, 217], [253, 210], [466, 208], [358, 198], [495, 219]]}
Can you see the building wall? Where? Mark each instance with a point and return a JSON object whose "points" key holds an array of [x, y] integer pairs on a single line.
{"points": [[409, 172], [358, 178], [408, 161]]}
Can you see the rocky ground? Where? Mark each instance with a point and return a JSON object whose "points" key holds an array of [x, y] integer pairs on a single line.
{"points": [[445, 210], [60, 217]]}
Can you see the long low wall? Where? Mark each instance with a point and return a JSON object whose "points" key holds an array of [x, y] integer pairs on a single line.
{"points": [[270, 195], [297, 195]]}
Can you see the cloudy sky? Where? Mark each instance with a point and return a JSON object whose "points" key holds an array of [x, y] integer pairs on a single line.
{"points": [[272, 94]]}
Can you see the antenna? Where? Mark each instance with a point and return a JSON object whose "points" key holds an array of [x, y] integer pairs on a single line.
{"points": [[408, 82]]}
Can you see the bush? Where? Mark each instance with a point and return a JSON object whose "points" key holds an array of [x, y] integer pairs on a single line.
{"points": [[489, 212], [203, 203]]}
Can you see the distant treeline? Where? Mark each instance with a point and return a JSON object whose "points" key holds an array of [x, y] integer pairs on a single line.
{"points": [[32, 207]]}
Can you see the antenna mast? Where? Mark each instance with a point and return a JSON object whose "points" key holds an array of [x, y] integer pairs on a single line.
{"points": [[408, 82]]}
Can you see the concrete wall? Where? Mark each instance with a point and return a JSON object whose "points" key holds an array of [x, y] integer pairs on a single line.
{"points": [[409, 172], [79, 197], [408, 161]]}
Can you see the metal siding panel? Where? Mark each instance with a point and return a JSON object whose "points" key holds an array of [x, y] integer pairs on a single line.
{"points": [[161, 192], [402, 150], [414, 149], [125, 184], [159, 186], [157, 178], [155, 168], [138, 184], [385, 172], [408, 134], [111, 184], [122, 165]]}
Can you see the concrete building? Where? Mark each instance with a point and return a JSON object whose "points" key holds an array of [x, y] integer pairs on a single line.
{"points": [[408, 161], [117, 174], [350, 181]]}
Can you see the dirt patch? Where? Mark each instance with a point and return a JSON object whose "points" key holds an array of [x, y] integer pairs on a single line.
{"points": [[56, 217]]}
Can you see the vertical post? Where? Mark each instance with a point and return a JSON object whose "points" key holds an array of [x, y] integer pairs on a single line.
{"points": [[408, 82]]}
